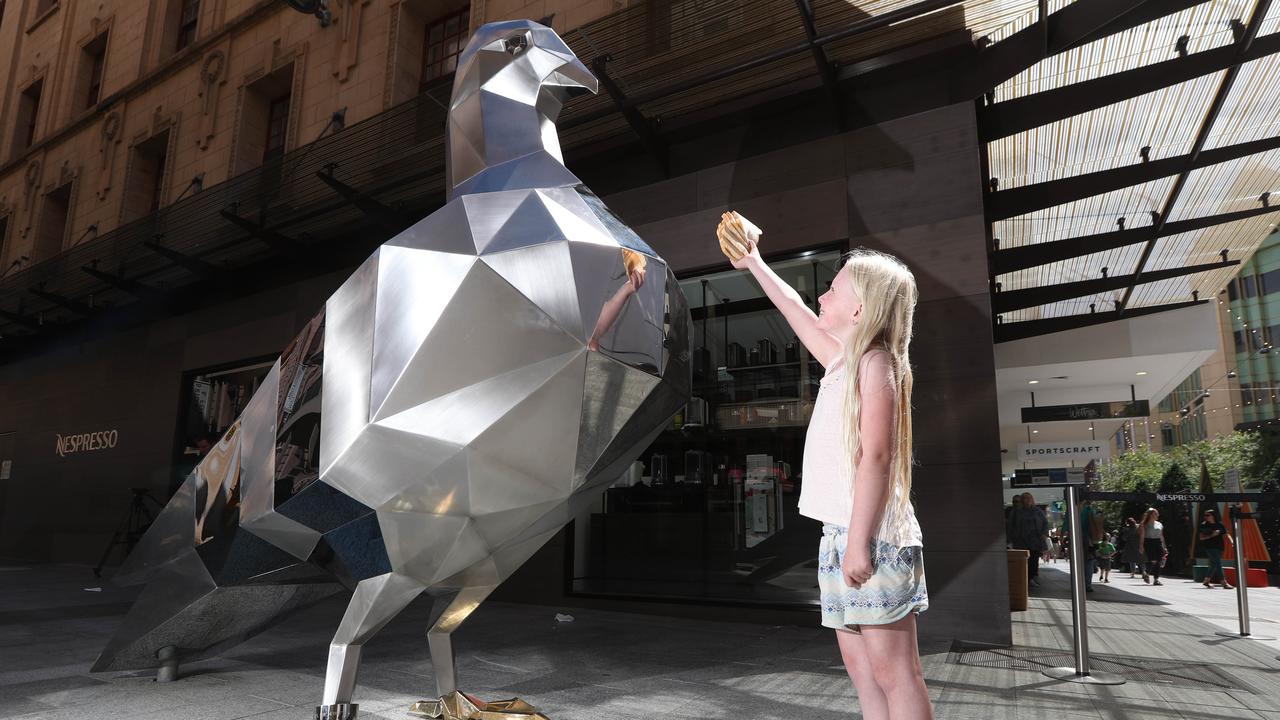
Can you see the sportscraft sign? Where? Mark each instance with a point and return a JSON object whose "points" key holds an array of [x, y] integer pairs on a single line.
{"points": [[1079, 450]]}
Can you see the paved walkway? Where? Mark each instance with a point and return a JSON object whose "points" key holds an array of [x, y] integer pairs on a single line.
{"points": [[607, 665]]}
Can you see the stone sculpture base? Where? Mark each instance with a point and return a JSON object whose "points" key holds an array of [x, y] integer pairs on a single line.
{"points": [[459, 706]]}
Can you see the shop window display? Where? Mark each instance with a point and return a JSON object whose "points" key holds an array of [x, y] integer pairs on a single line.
{"points": [[212, 400], [709, 510]]}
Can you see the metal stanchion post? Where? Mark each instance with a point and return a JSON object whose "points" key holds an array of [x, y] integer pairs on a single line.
{"points": [[1079, 615], [1242, 578]]}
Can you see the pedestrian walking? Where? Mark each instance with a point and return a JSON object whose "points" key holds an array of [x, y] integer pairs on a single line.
{"points": [[1132, 553], [1153, 545], [1027, 530], [1212, 532], [1106, 551]]}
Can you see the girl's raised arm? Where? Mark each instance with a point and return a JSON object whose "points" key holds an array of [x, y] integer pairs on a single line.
{"points": [[804, 323]]}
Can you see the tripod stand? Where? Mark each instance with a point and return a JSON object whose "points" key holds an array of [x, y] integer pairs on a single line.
{"points": [[132, 527]]}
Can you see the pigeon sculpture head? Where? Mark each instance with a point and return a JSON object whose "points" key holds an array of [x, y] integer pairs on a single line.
{"points": [[512, 79], [464, 394]]}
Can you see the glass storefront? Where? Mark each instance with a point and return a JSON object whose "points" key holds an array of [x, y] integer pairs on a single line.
{"points": [[212, 399], [709, 510]]}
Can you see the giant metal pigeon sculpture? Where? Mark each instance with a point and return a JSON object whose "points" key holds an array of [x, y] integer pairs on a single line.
{"points": [[461, 397]]}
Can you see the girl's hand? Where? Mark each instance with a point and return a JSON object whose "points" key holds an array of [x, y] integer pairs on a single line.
{"points": [[752, 256], [857, 566]]}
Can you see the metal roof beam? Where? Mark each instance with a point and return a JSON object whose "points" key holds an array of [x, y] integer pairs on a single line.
{"points": [[133, 287], [22, 320], [1141, 15], [1004, 332], [1004, 204], [1027, 256], [826, 70], [1008, 301], [74, 306], [1241, 47], [1050, 36], [1030, 111], [390, 220], [642, 126], [196, 266], [277, 241]]}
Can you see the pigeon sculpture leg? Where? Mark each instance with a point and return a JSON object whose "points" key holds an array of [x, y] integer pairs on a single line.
{"points": [[468, 390]]}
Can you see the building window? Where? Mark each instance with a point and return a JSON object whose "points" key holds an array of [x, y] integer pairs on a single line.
{"points": [[445, 39], [188, 16], [92, 63], [28, 113], [53, 224], [145, 186], [264, 119], [277, 125], [1240, 344], [1249, 286], [1269, 282], [1232, 294], [709, 510]]}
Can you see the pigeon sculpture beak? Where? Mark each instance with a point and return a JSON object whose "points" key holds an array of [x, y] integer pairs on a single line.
{"points": [[574, 78]]}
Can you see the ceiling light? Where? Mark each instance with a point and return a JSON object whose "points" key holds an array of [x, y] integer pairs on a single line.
{"points": [[1032, 382], [1141, 372]]}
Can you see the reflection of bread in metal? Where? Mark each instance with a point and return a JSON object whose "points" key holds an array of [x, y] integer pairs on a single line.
{"points": [[633, 261], [737, 235]]}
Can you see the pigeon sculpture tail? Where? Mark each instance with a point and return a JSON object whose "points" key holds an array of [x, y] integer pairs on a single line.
{"points": [[463, 395]]}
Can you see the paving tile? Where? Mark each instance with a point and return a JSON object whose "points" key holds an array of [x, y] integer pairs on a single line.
{"points": [[611, 665]]}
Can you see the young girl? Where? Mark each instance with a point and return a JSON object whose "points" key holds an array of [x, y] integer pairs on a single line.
{"points": [[857, 473], [1106, 551]]}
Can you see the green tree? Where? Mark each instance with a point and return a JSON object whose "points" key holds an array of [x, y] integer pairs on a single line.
{"points": [[1242, 450]]}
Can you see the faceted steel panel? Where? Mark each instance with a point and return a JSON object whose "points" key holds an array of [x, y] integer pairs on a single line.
{"points": [[480, 377]]}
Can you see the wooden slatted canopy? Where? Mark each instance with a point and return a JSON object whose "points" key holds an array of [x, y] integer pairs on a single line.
{"points": [[684, 58], [1150, 154]]}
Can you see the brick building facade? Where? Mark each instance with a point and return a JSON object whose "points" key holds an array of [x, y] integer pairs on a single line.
{"points": [[111, 111]]}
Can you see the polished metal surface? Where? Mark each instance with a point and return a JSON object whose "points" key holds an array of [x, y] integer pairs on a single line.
{"points": [[465, 392], [337, 711], [1079, 610]]}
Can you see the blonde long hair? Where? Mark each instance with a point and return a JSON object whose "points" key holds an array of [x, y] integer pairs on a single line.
{"points": [[888, 292]]}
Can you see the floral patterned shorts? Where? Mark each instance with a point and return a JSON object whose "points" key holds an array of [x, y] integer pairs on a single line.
{"points": [[896, 588]]}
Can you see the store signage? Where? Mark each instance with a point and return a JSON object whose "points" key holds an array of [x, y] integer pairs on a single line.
{"points": [[1231, 481], [1080, 450], [1180, 497], [1087, 411], [1048, 477], [85, 442]]}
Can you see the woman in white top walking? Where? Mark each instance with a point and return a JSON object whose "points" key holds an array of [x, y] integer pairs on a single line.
{"points": [[857, 473], [1153, 544]]}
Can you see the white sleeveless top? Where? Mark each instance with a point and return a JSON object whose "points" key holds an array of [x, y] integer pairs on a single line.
{"points": [[826, 493]]}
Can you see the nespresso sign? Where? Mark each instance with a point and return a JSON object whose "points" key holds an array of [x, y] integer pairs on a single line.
{"points": [[1087, 411], [86, 442]]}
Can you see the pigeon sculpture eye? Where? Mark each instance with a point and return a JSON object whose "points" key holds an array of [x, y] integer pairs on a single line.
{"points": [[516, 44]]}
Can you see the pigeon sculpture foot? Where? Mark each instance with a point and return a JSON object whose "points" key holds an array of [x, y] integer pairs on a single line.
{"points": [[461, 706], [337, 711]]}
